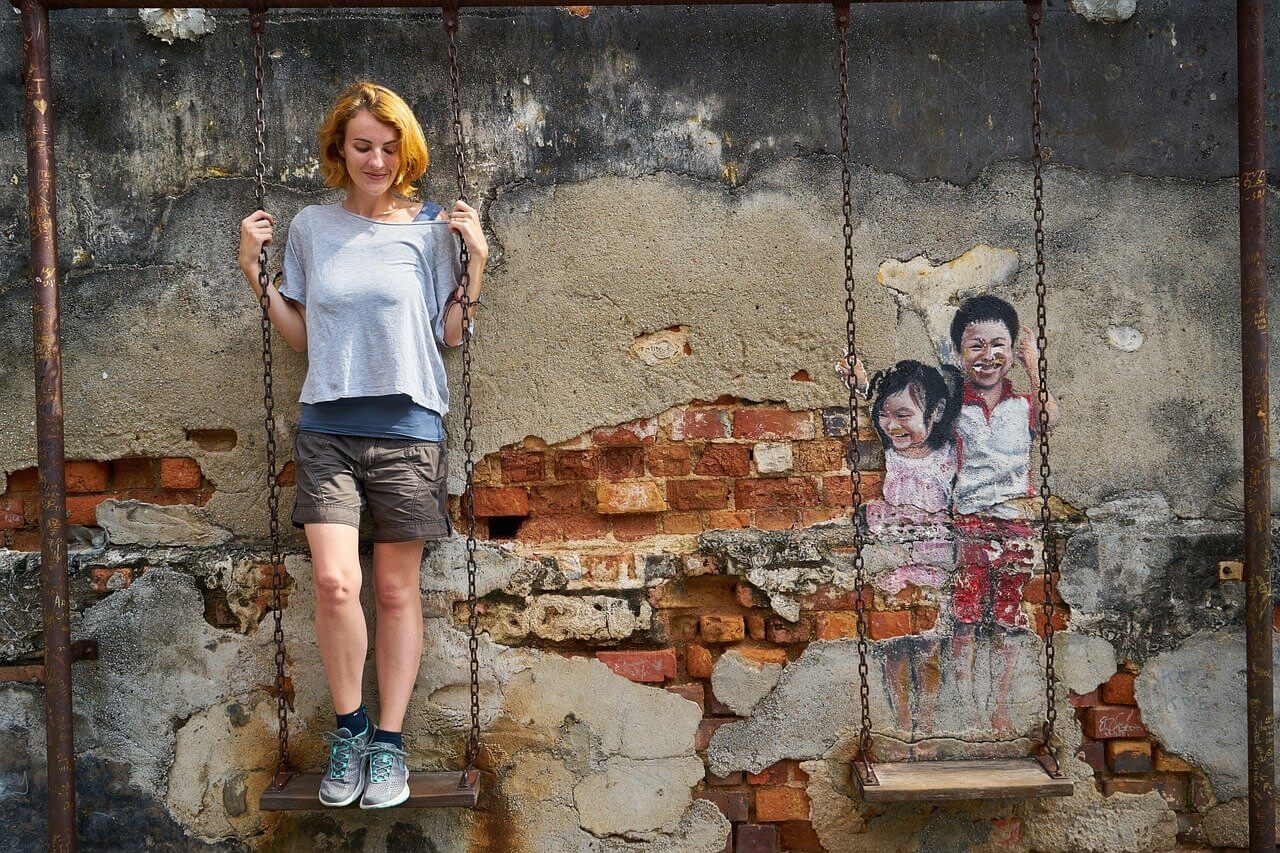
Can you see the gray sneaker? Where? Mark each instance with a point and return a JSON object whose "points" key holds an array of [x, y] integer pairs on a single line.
{"points": [[344, 782], [388, 777]]}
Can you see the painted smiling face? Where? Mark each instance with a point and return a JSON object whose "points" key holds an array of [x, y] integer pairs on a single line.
{"points": [[371, 150], [904, 421], [986, 348]]}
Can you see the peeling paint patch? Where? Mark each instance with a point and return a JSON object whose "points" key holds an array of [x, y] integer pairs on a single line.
{"points": [[577, 11], [1105, 11], [1125, 338], [170, 24], [663, 347]]}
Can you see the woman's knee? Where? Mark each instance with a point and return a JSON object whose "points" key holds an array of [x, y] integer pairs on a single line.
{"points": [[337, 586], [397, 591]]}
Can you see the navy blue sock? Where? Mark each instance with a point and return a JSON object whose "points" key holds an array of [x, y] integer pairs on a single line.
{"points": [[396, 739], [355, 722]]}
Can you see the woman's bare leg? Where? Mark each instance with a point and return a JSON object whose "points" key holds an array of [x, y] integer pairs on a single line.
{"points": [[398, 644], [341, 632]]}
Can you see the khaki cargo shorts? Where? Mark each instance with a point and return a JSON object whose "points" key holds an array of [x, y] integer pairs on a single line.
{"points": [[401, 480]]}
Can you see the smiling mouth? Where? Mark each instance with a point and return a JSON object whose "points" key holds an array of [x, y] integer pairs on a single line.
{"points": [[375, 177]]}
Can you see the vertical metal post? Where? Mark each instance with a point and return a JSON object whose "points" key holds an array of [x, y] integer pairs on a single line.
{"points": [[1256, 407], [42, 205]]}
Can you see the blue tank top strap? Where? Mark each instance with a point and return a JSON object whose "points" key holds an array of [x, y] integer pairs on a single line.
{"points": [[430, 210]]}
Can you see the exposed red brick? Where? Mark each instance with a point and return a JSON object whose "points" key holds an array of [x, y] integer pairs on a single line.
{"points": [[104, 579], [574, 465], [631, 528], [774, 805], [675, 626], [729, 519], [1127, 785], [1174, 788], [619, 463], [1105, 722], [179, 472], [23, 480], [724, 460], [785, 492], [698, 494], [820, 455], [833, 598], [777, 519], [761, 424], [25, 540], [1129, 756], [1083, 700], [1167, 762], [644, 667], [1059, 620], [694, 691], [607, 568], [501, 501], [884, 624], [734, 805], [85, 476], [836, 490], [722, 628], [734, 778], [799, 835], [698, 661], [669, 460], [1119, 690], [553, 499], [711, 592], [629, 497], [812, 515], [488, 472], [707, 729], [683, 523], [82, 509], [756, 626], [632, 434], [523, 466], [134, 472], [13, 513], [288, 475], [836, 624], [689, 424], [755, 838], [923, 619], [748, 596], [1093, 753], [780, 773], [762, 653], [1006, 832], [784, 632], [568, 526]]}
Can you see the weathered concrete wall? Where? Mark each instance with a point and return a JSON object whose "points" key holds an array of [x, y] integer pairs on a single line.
{"points": [[661, 190]]}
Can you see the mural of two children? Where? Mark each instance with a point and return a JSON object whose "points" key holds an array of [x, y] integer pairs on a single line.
{"points": [[958, 444]]}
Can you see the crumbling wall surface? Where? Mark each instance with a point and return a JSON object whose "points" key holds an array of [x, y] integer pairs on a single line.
{"points": [[668, 657]]}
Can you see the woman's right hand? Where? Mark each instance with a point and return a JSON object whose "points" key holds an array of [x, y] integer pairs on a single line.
{"points": [[255, 232]]}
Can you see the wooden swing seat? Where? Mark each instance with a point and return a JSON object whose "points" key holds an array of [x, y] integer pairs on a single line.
{"points": [[986, 779], [426, 791]]}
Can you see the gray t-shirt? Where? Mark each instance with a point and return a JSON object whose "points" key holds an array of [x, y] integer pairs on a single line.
{"points": [[375, 294]]}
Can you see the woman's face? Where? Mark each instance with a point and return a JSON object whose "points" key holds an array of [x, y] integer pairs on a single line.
{"points": [[371, 150], [904, 422]]}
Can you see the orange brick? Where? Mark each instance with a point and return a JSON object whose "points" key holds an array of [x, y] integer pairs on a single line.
{"points": [[724, 460], [561, 498], [780, 492], [24, 480], [607, 568], [774, 805], [629, 497], [82, 509], [25, 540], [13, 513], [810, 516], [728, 519], [179, 472], [722, 628], [780, 773], [631, 528], [799, 836], [748, 596], [836, 491], [776, 519], [683, 523], [288, 475], [523, 466], [1168, 763], [1107, 722], [86, 476], [700, 424], [819, 455], [761, 654], [504, 501], [669, 460], [698, 661], [698, 494], [923, 619], [1129, 756], [632, 434], [1119, 690], [104, 579], [763, 424], [619, 463], [836, 624], [643, 667], [889, 623], [574, 465]]}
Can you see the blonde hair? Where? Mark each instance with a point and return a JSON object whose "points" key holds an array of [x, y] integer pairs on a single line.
{"points": [[388, 108]]}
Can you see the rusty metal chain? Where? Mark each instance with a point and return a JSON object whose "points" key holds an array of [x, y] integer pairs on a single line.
{"points": [[258, 23], [1048, 541], [854, 456], [468, 443]]}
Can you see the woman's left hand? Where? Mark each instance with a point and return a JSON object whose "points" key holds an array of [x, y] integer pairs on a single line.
{"points": [[466, 221]]}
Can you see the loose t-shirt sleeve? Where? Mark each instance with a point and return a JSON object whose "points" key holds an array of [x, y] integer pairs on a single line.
{"points": [[295, 279], [446, 273]]}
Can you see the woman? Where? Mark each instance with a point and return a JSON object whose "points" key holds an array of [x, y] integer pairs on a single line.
{"points": [[371, 293]]}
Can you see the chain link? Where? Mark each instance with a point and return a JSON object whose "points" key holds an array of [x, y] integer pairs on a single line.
{"points": [[258, 23], [1049, 546], [468, 442], [854, 455]]}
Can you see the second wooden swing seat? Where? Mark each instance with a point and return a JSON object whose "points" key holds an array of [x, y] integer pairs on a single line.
{"points": [[1038, 775]]}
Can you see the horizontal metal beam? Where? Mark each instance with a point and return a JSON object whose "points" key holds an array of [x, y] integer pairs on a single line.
{"points": [[435, 4]]}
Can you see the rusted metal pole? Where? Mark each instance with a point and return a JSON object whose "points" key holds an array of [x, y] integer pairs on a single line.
{"points": [[42, 206], [1256, 406]]}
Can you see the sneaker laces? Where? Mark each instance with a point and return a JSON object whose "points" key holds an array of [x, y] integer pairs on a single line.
{"points": [[382, 759], [340, 753]]}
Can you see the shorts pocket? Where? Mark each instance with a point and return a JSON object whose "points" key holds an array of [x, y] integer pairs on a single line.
{"points": [[429, 463]]}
